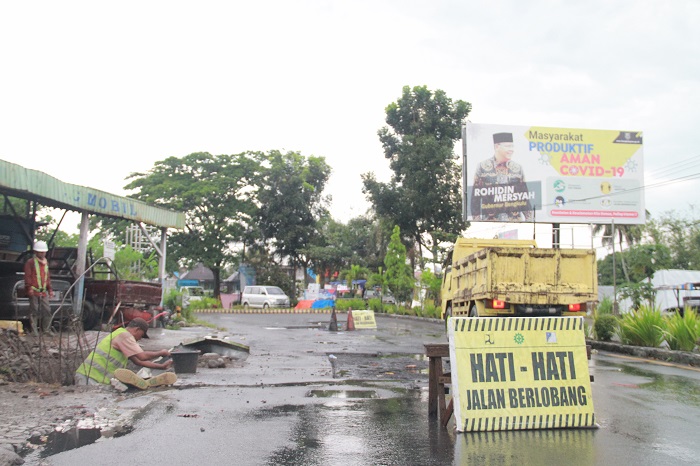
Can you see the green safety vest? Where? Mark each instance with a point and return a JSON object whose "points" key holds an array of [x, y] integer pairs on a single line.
{"points": [[104, 360], [37, 269]]}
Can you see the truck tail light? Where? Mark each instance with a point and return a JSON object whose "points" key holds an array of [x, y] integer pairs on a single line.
{"points": [[498, 304], [574, 307]]}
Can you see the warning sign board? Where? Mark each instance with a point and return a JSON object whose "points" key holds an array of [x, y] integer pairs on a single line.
{"points": [[364, 319], [517, 373]]}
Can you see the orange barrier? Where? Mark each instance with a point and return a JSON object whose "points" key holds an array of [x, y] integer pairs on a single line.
{"points": [[304, 304]]}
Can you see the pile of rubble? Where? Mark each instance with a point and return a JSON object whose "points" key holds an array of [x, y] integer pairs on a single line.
{"points": [[44, 359]]}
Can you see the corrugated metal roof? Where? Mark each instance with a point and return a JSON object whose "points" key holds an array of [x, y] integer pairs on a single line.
{"points": [[18, 181]]}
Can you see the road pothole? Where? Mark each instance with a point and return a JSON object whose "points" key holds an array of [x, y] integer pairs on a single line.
{"points": [[356, 394]]}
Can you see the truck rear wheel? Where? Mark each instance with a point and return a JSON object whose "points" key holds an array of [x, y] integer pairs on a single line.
{"points": [[473, 312], [90, 315], [448, 314]]}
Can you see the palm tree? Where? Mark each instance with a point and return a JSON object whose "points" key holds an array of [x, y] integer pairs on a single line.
{"points": [[355, 272], [631, 234]]}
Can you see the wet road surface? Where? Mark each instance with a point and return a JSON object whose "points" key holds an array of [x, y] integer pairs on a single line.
{"points": [[283, 406]]}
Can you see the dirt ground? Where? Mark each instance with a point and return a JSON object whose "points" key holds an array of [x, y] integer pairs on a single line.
{"points": [[43, 359]]}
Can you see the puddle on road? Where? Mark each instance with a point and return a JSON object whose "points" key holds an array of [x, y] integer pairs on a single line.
{"points": [[417, 357], [299, 327], [369, 431], [671, 386], [359, 394]]}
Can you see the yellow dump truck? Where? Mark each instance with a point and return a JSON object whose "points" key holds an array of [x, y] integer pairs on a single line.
{"points": [[492, 277]]}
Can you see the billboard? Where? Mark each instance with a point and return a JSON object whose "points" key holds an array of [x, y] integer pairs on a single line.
{"points": [[553, 175]]}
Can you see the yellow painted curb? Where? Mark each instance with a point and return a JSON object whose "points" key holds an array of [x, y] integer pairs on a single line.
{"points": [[263, 311]]}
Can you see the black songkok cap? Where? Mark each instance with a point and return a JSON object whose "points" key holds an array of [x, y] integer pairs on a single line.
{"points": [[502, 137]]}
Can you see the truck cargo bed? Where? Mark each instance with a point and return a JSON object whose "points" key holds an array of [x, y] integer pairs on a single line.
{"points": [[537, 276], [108, 293]]}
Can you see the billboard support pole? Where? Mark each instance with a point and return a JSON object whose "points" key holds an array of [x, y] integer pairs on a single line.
{"points": [[555, 235], [464, 172], [615, 310]]}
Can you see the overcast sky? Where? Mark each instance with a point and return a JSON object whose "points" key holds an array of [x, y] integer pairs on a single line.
{"points": [[92, 91]]}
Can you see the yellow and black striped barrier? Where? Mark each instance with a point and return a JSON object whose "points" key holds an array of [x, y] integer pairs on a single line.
{"points": [[263, 311], [519, 373]]}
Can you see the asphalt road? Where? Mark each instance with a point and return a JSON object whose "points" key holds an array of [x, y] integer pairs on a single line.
{"points": [[282, 405]]}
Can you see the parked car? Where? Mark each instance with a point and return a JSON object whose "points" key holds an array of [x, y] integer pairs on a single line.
{"points": [[191, 294], [264, 296], [387, 296], [14, 303]]}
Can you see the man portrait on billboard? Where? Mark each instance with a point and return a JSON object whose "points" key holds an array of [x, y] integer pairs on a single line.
{"points": [[499, 192]]}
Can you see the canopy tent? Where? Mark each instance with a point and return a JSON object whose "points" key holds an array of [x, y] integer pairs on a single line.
{"points": [[673, 285]]}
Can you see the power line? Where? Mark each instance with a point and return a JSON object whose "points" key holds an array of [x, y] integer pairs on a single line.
{"points": [[690, 177], [681, 166]]}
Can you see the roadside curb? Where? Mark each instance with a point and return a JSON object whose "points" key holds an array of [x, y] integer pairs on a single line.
{"points": [[661, 354], [309, 311], [262, 311]]}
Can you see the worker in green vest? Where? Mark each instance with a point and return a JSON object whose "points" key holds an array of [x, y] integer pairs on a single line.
{"points": [[37, 285], [112, 354]]}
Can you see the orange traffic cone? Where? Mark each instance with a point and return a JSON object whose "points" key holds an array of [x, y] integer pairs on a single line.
{"points": [[351, 321], [333, 327]]}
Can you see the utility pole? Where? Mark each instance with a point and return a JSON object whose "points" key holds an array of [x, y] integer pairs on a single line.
{"points": [[615, 309]]}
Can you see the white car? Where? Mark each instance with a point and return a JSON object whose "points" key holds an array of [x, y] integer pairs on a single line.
{"points": [[264, 296]]}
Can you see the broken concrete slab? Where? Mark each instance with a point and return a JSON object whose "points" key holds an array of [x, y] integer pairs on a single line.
{"points": [[224, 347]]}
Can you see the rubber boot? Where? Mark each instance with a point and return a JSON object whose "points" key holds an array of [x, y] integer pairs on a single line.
{"points": [[130, 378], [166, 378], [46, 325]]}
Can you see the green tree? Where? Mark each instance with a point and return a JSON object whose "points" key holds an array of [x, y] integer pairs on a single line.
{"points": [[638, 293], [398, 276], [329, 251], [424, 196], [368, 237], [48, 229], [218, 196], [630, 234], [378, 279], [643, 261], [292, 203], [680, 233], [355, 272], [431, 283], [134, 265], [363, 241]]}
